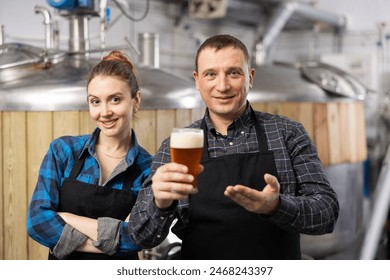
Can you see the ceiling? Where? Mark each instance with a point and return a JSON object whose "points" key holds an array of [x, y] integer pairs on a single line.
{"points": [[251, 13]]}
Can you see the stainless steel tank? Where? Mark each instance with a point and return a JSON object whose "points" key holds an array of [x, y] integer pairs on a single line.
{"points": [[34, 80], [290, 83], [327, 86]]}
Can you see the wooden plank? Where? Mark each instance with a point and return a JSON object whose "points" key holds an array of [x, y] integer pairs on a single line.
{"points": [[2, 218], [87, 125], [15, 185], [39, 136], [290, 110], [144, 125], [197, 114], [346, 135], [321, 135], [334, 133], [306, 117], [182, 117], [361, 132], [301, 112], [261, 107], [165, 123], [66, 123], [353, 130]]}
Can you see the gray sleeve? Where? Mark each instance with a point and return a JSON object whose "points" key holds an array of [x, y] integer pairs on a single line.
{"points": [[150, 225], [309, 204], [107, 235], [70, 240]]}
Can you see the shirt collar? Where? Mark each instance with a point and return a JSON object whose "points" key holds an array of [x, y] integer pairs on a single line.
{"points": [[239, 123], [90, 145]]}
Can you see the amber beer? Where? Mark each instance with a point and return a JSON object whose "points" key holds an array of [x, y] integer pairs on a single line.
{"points": [[187, 147]]}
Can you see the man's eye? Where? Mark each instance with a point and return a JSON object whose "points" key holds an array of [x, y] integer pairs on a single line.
{"points": [[210, 74], [235, 73]]}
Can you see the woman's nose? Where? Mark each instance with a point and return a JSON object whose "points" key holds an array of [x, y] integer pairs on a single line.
{"points": [[105, 110]]}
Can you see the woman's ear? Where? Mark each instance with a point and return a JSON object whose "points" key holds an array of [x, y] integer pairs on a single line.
{"points": [[136, 101]]}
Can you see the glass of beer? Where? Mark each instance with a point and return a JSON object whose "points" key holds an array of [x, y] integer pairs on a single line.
{"points": [[186, 148]]}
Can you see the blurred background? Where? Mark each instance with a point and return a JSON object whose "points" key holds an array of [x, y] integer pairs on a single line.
{"points": [[324, 63]]}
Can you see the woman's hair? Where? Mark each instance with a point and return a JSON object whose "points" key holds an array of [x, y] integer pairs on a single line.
{"points": [[117, 64], [222, 41]]}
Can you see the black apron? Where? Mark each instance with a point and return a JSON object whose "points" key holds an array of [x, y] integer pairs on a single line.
{"points": [[96, 201], [218, 228]]}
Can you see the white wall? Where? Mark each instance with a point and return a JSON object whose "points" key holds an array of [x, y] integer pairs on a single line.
{"points": [[178, 43]]}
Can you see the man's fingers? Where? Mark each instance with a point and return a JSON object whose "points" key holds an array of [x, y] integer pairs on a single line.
{"points": [[271, 181]]}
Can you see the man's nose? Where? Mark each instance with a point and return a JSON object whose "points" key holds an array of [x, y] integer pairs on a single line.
{"points": [[223, 83]]}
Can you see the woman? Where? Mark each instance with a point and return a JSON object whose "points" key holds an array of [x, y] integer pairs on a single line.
{"points": [[88, 184]]}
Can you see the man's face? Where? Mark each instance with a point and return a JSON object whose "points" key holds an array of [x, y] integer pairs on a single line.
{"points": [[223, 79]]}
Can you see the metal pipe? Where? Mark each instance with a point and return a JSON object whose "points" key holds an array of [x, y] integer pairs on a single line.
{"points": [[78, 33], [279, 20], [2, 35], [379, 212], [149, 46], [48, 25], [103, 19]]}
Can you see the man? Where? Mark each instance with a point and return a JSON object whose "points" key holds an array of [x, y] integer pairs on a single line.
{"points": [[261, 182]]}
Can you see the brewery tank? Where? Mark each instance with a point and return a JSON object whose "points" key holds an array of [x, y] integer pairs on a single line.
{"points": [[335, 120], [49, 81]]}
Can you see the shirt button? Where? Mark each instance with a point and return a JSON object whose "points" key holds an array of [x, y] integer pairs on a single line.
{"points": [[158, 236], [231, 143], [162, 218], [242, 132], [170, 216]]}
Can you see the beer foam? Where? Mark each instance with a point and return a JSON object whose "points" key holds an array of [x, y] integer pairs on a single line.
{"points": [[187, 139]]}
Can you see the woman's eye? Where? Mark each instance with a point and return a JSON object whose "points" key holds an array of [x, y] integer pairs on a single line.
{"points": [[115, 100], [94, 101]]}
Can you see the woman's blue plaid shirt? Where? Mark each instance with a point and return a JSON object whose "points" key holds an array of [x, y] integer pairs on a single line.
{"points": [[43, 223]]}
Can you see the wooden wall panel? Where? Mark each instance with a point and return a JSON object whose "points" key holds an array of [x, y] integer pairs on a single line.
{"points": [[321, 135], [334, 136], [361, 131], [39, 136], [87, 125], [66, 123], [306, 117], [346, 138], [197, 114], [338, 130], [15, 185], [144, 125], [183, 118], [165, 123]]}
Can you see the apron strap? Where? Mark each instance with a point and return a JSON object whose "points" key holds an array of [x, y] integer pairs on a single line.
{"points": [[77, 167], [130, 174], [260, 133]]}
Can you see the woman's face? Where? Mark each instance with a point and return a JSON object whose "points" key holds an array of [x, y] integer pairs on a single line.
{"points": [[111, 105]]}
